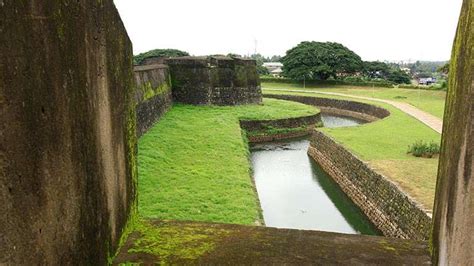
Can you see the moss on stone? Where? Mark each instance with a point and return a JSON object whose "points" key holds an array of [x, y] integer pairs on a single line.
{"points": [[150, 92], [167, 240]]}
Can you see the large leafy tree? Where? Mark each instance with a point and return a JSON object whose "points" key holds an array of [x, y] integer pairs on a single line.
{"points": [[320, 60], [138, 59]]}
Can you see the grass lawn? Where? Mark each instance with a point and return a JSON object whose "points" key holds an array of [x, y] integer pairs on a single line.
{"points": [[193, 164], [384, 144], [430, 101]]}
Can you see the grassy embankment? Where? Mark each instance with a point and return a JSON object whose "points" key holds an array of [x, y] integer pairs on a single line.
{"points": [[430, 101], [384, 144], [193, 164]]}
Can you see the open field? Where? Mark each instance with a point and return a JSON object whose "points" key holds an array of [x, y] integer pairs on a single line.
{"points": [[427, 100], [193, 164], [384, 144]]}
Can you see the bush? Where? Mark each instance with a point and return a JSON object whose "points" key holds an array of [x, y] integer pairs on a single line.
{"points": [[138, 59], [422, 149]]}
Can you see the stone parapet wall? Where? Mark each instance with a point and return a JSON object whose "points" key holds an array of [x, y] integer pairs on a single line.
{"points": [[214, 80], [354, 109], [152, 94], [388, 208]]}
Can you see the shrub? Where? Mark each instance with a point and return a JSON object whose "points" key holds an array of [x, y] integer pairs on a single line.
{"points": [[424, 149]]}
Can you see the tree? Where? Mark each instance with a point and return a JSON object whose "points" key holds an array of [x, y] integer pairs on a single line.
{"points": [[385, 71], [138, 59], [397, 76], [443, 69], [320, 60], [376, 69]]}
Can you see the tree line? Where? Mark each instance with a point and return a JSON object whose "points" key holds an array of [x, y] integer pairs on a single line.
{"points": [[314, 61], [331, 60]]}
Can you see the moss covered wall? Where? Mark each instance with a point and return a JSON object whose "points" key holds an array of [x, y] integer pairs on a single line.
{"points": [[67, 141], [152, 94], [453, 235]]}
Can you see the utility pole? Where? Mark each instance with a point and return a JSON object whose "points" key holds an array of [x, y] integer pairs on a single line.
{"points": [[255, 43]]}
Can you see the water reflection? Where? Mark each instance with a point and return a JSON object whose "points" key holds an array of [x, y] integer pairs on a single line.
{"points": [[339, 121], [295, 193]]}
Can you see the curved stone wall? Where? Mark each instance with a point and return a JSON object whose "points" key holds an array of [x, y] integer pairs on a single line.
{"points": [[363, 111], [214, 80], [269, 130]]}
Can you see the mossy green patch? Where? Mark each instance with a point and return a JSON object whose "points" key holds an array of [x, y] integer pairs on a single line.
{"points": [[149, 92], [180, 242]]}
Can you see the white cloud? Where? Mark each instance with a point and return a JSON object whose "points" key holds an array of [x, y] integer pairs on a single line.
{"points": [[374, 29]]}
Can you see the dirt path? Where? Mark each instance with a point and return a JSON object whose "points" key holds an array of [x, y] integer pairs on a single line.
{"points": [[428, 119]]}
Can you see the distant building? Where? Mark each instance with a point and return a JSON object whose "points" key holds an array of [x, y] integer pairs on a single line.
{"points": [[276, 72], [426, 81], [406, 70], [274, 68]]}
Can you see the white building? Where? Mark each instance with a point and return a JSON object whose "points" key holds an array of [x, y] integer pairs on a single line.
{"points": [[274, 68]]}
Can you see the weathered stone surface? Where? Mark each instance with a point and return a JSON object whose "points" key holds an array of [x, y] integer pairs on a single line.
{"points": [[453, 235], [214, 80], [67, 131], [386, 206], [363, 111], [226, 244], [152, 94]]}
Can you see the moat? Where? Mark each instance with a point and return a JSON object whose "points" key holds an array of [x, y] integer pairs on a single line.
{"points": [[296, 193]]}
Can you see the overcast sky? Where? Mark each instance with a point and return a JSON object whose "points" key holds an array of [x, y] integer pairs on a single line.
{"points": [[374, 29]]}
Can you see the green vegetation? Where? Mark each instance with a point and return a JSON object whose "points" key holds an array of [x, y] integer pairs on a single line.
{"points": [[383, 145], [329, 60], [180, 242], [381, 70], [422, 149], [320, 61], [149, 92], [427, 100], [193, 164], [138, 59]]}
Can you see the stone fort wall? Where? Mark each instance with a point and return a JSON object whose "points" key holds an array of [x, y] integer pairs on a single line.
{"points": [[387, 207], [152, 94], [67, 141], [214, 80]]}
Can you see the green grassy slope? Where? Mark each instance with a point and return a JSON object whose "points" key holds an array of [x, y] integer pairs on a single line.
{"points": [[193, 164], [428, 100]]}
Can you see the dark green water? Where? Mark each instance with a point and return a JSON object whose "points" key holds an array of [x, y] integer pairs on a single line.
{"points": [[295, 192]]}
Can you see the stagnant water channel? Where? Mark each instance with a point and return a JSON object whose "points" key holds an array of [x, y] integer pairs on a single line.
{"points": [[295, 192]]}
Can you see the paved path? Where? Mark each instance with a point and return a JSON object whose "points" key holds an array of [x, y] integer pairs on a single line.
{"points": [[428, 119]]}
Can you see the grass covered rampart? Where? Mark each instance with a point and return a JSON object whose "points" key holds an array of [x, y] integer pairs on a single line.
{"points": [[193, 164]]}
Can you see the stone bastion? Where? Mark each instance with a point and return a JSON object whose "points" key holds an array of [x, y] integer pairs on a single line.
{"points": [[214, 80]]}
